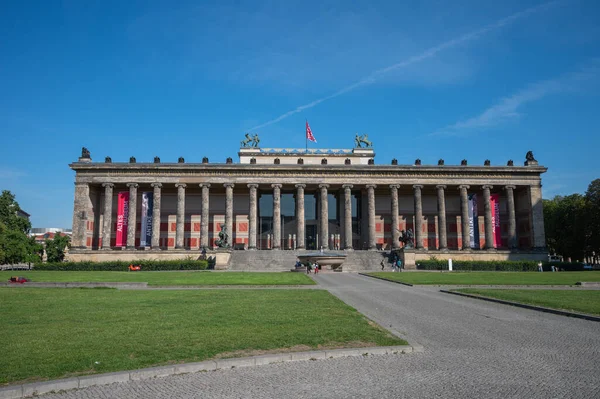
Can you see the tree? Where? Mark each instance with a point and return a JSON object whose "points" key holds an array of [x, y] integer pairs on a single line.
{"points": [[9, 209], [15, 246], [55, 248], [592, 198], [566, 225]]}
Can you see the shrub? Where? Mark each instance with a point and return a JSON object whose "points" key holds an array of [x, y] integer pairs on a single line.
{"points": [[122, 266], [496, 265], [475, 265]]}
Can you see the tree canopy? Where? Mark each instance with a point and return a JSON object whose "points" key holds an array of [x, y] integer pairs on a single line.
{"points": [[572, 224]]}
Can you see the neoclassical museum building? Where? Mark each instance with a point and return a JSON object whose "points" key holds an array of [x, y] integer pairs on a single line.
{"points": [[286, 199]]}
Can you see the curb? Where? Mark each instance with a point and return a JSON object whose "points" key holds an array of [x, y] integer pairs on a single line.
{"points": [[39, 388], [385, 279], [523, 305], [30, 284]]}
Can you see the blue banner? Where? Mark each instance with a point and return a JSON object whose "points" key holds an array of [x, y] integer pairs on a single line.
{"points": [[473, 222], [146, 231]]}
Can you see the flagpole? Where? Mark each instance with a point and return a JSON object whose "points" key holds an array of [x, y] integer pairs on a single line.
{"points": [[306, 136]]}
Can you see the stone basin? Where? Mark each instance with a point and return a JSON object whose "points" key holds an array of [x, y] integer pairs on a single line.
{"points": [[326, 260]]}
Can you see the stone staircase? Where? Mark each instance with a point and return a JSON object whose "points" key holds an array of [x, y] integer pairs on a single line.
{"points": [[284, 260]]}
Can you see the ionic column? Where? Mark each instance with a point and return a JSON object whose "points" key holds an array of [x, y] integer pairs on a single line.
{"points": [[442, 216], [229, 210], [156, 198], [418, 216], [537, 217], [132, 218], [395, 233], [464, 216], [276, 216], [107, 228], [372, 243], [300, 233], [489, 228], [324, 219], [347, 216], [512, 219], [205, 215], [252, 217], [179, 232]]}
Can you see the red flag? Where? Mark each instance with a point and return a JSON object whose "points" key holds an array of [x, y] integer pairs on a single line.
{"points": [[309, 134]]}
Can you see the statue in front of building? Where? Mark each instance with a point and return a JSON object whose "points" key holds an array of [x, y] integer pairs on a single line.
{"points": [[407, 238], [223, 241], [360, 140], [250, 141]]}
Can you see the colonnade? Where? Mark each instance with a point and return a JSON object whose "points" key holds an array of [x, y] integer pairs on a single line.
{"points": [[323, 190]]}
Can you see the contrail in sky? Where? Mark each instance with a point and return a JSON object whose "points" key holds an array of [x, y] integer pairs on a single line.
{"points": [[416, 58]]}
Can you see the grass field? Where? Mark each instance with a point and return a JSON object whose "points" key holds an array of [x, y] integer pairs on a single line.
{"points": [[490, 278], [165, 278], [577, 301], [54, 333]]}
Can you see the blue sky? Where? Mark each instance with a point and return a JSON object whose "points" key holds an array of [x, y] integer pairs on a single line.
{"points": [[429, 79]]}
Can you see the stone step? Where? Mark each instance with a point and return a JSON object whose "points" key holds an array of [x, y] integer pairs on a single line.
{"points": [[284, 260]]}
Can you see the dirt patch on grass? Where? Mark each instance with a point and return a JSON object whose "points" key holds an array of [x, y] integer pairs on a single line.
{"points": [[296, 348]]}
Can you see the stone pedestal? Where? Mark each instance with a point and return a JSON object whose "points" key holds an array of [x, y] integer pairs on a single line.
{"points": [[222, 258]]}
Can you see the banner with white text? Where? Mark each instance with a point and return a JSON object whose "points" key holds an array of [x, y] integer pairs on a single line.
{"points": [[146, 231], [473, 221], [122, 216], [495, 205]]}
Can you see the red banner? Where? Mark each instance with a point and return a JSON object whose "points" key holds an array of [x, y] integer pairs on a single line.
{"points": [[122, 216], [495, 205]]}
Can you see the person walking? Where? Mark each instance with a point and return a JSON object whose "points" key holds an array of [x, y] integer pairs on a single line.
{"points": [[316, 267], [399, 265]]}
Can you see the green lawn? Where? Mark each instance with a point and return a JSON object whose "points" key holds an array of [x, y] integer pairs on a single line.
{"points": [[490, 278], [166, 278], [54, 333], [577, 301]]}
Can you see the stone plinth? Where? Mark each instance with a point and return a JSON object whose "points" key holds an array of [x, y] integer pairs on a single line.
{"points": [[78, 255], [412, 256]]}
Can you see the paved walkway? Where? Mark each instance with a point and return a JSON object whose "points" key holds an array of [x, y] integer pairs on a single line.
{"points": [[472, 349]]}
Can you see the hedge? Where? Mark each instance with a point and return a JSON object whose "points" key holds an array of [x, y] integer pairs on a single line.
{"points": [[122, 266], [495, 265]]}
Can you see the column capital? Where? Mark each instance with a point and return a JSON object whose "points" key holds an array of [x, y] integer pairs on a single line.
{"points": [[300, 185], [417, 186], [276, 185], [394, 186], [373, 186], [323, 185], [180, 185], [441, 186], [252, 185], [226, 185], [465, 186], [509, 187], [134, 185], [202, 185], [155, 185], [111, 185], [488, 186], [347, 185]]}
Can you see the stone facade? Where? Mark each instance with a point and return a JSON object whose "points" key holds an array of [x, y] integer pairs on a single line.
{"points": [[358, 205]]}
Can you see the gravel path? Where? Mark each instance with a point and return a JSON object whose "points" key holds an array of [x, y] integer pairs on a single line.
{"points": [[472, 349]]}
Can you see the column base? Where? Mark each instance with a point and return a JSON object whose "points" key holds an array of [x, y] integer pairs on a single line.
{"points": [[156, 249], [276, 249], [130, 248], [349, 249], [302, 248], [106, 249], [252, 248]]}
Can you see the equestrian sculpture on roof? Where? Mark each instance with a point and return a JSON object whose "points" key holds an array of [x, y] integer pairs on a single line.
{"points": [[364, 139]]}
